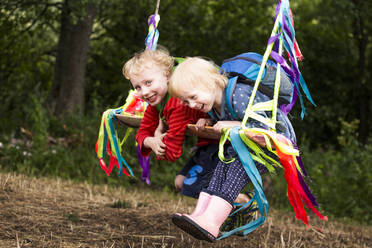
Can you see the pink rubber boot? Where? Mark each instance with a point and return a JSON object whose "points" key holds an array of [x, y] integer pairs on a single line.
{"points": [[201, 205], [206, 225]]}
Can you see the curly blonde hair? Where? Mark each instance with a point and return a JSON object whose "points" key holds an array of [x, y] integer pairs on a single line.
{"points": [[146, 59], [196, 73]]}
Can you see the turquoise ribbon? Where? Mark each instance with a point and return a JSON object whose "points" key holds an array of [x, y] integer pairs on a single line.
{"points": [[120, 159], [255, 177]]}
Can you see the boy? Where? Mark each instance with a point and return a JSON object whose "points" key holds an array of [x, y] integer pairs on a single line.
{"points": [[149, 73], [164, 124]]}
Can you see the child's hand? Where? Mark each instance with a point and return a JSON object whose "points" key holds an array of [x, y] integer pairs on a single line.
{"points": [[225, 124], [201, 123], [178, 181], [160, 129], [156, 144]]}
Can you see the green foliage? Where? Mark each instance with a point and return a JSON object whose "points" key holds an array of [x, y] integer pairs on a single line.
{"points": [[121, 204], [66, 148], [73, 217], [341, 178], [334, 37], [26, 64], [328, 32]]}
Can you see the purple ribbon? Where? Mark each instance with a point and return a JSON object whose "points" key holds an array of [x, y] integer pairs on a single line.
{"points": [[150, 40], [145, 165], [286, 108], [307, 190], [302, 181], [287, 29]]}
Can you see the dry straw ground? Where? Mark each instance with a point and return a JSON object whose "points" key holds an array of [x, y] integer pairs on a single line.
{"points": [[54, 213]]}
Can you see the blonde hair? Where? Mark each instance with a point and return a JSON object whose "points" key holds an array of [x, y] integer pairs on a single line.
{"points": [[196, 73], [143, 59]]}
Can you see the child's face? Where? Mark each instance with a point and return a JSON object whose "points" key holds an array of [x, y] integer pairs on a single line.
{"points": [[151, 84], [200, 99]]}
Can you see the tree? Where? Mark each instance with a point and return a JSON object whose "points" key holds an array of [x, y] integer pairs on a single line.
{"points": [[26, 57], [68, 91], [362, 28], [334, 36]]}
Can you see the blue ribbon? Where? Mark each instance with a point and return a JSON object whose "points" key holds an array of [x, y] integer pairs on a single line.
{"points": [[111, 117], [255, 177]]}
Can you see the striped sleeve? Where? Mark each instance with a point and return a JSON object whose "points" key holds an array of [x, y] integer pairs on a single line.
{"points": [[178, 116], [148, 126]]}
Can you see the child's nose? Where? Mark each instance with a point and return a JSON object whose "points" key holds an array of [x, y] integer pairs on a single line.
{"points": [[145, 91]]}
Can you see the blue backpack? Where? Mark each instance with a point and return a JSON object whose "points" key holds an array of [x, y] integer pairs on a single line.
{"points": [[246, 66]]}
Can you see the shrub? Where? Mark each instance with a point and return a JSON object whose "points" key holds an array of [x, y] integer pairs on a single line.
{"points": [[341, 177]]}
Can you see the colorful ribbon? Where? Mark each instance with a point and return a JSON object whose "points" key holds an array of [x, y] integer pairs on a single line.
{"points": [[153, 34], [283, 35]]}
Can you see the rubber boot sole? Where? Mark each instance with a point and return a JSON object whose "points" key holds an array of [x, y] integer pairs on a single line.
{"points": [[192, 228]]}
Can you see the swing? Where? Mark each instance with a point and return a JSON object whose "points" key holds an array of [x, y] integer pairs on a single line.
{"points": [[298, 192], [242, 138], [130, 114], [208, 132]]}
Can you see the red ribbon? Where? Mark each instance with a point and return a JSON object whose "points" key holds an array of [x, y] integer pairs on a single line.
{"points": [[296, 194]]}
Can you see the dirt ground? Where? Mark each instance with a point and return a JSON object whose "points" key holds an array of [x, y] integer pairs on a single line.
{"points": [[54, 213]]}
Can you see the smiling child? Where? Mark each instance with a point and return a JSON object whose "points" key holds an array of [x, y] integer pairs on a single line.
{"points": [[205, 91]]}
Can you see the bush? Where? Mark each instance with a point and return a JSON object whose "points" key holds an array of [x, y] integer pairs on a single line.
{"points": [[49, 146], [341, 177]]}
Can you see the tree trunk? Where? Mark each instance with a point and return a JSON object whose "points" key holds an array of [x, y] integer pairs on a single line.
{"points": [[364, 94], [68, 93]]}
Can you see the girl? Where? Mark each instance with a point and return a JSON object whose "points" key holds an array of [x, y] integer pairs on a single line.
{"points": [[200, 85]]}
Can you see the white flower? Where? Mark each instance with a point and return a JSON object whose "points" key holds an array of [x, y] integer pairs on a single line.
{"points": [[27, 154]]}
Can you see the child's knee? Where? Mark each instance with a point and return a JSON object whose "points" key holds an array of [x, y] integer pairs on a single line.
{"points": [[178, 181], [242, 198]]}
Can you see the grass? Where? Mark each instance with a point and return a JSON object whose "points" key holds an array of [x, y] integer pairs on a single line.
{"points": [[44, 212]]}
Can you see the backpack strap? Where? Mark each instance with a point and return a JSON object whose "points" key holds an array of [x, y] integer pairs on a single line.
{"points": [[229, 93]]}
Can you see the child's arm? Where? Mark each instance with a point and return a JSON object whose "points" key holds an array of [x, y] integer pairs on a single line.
{"points": [[178, 116], [202, 122], [160, 129], [178, 181], [259, 139], [225, 124], [147, 129], [156, 144]]}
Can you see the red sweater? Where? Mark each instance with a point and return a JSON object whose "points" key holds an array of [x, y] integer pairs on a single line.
{"points": [[177, 115]]}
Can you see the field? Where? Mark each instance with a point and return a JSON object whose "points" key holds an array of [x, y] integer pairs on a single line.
{"points": [[41, 212]]}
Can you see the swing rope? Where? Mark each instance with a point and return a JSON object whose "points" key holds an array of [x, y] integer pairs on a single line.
{"points": [[108, 142], [153, 34], [282, 35]]}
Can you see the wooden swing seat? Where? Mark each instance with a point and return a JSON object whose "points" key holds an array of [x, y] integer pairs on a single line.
{"points": [[208, 132]]}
